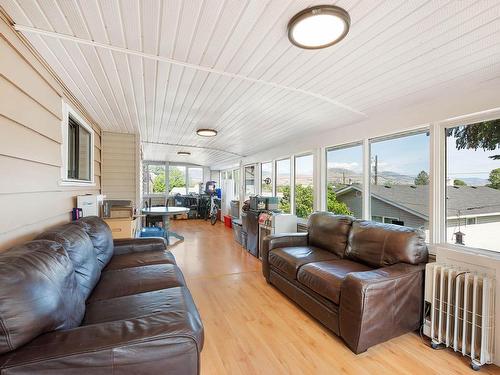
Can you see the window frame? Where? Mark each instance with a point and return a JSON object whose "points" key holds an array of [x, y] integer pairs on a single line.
{"points": [[272, 177], [146, 167], [325, 169], [65, 180], [293, 204]]}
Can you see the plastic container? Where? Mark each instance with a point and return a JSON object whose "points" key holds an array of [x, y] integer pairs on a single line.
{"points": [[152, 232], [227, 221]]}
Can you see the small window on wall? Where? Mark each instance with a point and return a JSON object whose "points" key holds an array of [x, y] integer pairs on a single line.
{"points": [[283, 183], [344, 180], [154, 179], [78, 143], [399, 180], [304, 186], [249, 181], [195, 178], [177, 179], [266, 175], [473, 185]]}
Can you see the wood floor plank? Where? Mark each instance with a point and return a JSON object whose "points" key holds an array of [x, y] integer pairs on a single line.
{"points": [[252, 328]]}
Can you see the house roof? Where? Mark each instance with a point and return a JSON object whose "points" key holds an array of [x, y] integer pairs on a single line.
{"points": [[463, 200]]}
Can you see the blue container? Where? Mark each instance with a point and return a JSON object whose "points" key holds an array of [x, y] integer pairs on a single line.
{"points": [[218, 191], [152, 232]]}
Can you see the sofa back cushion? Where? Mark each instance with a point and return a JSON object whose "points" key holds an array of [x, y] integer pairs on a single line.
{"points": [[380, 245], [38, 293], [329, 232], [101, 237], [80, 250]]}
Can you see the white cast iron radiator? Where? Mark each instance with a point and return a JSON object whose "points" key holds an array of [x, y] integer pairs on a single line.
{"points": [[460, 311]]}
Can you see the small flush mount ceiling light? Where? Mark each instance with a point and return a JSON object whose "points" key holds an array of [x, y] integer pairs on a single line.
{"points": [[183, 153], [318, 27], [206, 132]]}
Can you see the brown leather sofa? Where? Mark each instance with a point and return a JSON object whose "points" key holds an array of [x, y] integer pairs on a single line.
{"points": [[74, 301], [363, 280]]}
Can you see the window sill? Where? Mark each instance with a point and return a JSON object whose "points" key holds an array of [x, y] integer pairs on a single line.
{"points": [[434, 250], [76, 183]]}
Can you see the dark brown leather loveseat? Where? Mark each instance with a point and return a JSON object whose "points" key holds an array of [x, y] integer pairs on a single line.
{"points": [[74, 301], [363, 280]]}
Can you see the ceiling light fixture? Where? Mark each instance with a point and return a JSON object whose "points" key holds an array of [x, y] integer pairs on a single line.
{"points": [[183, 153], [319, 27], [206, 132]]}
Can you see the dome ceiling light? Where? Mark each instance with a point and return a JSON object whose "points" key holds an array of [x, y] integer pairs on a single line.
{"points": [[206, 132], [319, 27], [183, 153]]}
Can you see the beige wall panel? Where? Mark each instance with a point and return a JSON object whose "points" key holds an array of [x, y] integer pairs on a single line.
{"points": [[97, 154], [19, 107], [18, 71], [18, 46], [26, 176], [21, 142]]}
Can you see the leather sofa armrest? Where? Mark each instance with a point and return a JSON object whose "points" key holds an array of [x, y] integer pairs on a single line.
{"points": [[378, 305], [132, 245], [280, 240], [149, 344]]}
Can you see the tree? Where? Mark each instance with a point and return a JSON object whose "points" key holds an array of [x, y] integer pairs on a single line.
{"points": [[303, 200], [334, 205], [422, 178], [458, 182], [159, 183], [175, 179], [485, 135], [494, 179], [284, 202]]}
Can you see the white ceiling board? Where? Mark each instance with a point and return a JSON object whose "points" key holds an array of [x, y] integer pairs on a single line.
{"points": [[234, 69]]}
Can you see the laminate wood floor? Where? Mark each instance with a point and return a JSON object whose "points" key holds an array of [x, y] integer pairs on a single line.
{"points": [[251, 328]]}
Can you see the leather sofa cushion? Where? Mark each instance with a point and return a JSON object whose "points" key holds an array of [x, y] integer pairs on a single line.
{"points": [[325, 278], [380, 245], [101, 237], [38, 293], [288, 260], [329, 232], [80, 250], [138, 259], [127, 281], [176, 304]]}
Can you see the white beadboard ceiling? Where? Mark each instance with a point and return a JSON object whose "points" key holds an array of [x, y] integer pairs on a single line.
{"points": [[165, 68]]}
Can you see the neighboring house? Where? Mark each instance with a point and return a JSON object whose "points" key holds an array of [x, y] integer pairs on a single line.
{"points": [[475, 211]]}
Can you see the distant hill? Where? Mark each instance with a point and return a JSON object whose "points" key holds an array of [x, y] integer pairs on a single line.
{"points": [[471, 181], [386, 177]]}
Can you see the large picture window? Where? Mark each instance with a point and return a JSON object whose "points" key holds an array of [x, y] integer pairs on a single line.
{"points": [[195, 178], [154, 179], [304, 186], [399, 180], [177, 179], [249, 181], [283, 183], [266, 181], [473, 185], [344, 178]]}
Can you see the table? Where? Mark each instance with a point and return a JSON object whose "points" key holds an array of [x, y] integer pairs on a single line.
{"points": [[166, 212]]}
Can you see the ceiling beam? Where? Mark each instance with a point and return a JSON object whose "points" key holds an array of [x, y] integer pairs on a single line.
{"points": [[34, 30], [194, 147]]}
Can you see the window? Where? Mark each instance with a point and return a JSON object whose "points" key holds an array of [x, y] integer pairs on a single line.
{"points": [[195, 178], [154, 179], [249, 181], [304, 192], [344, 178], [236, 176], [177, 179], [283, 184], [399, 180], [473, 184], [266, 181], [78, 143]]}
